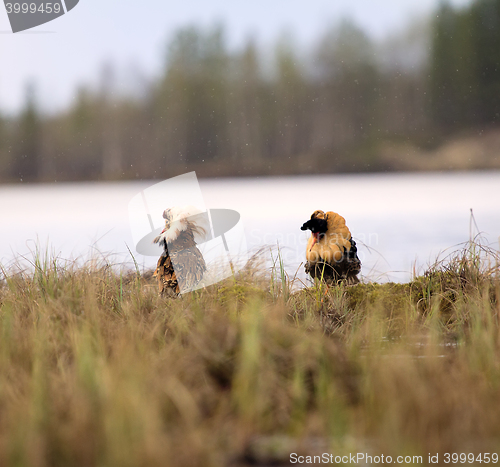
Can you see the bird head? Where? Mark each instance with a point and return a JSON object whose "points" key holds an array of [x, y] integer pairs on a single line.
{"points": [[180, 219], [318, 226], [169, 215]]}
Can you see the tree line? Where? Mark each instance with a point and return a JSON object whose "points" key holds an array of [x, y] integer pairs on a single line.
{"points": [[254, 112]]}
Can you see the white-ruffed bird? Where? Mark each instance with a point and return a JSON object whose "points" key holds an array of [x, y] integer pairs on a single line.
{"points": [[181, 265]]}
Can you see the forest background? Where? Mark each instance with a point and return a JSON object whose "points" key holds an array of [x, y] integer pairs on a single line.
{"points": [[427, 98]]}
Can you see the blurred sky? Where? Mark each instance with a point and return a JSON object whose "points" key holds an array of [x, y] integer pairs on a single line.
{"points": [[132, 35]]}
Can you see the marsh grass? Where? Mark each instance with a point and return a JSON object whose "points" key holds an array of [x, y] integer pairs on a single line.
{"points": [[97, 369]]}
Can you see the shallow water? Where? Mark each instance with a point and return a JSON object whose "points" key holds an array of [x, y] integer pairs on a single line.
{"points": [[401, 222]]}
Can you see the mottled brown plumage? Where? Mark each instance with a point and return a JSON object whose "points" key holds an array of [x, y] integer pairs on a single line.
{"points": [[181, 265], [331, 252]]}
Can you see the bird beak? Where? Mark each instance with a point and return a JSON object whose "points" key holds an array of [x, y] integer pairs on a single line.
{"points": [[315, 240]]}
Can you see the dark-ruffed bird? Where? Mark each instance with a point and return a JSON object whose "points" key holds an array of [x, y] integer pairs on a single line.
{"points": [[331, 252], [181, 265]]}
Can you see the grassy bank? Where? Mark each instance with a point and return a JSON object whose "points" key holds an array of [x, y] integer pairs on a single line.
{"points": [[96, 369]]}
